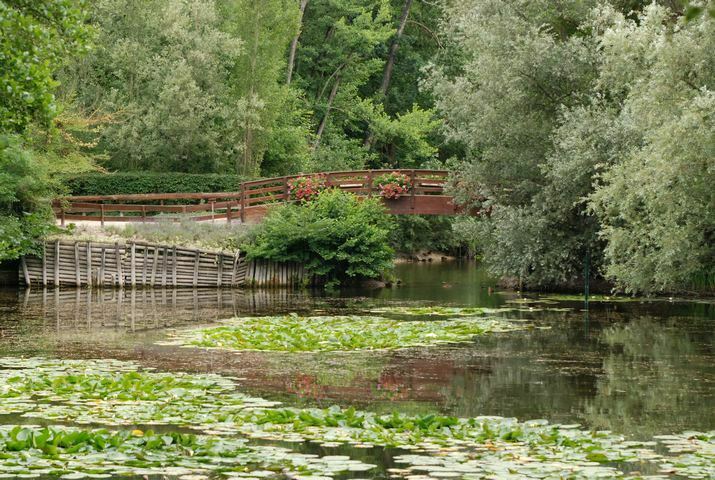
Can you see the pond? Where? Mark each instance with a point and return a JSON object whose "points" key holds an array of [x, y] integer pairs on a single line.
{"points": [[640, 369]]}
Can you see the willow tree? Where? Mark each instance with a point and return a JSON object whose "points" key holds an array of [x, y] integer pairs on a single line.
{"points": [[588, 132]]}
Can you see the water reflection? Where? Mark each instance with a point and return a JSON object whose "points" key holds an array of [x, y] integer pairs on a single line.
{"points": [[634, 368]]}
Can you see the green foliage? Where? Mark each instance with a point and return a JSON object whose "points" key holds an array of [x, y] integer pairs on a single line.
{"points": [[292, 333], [528, 449], [25, 191], [414, 233], [336, 235], [217, 99], [161, 74], [408, 140], [98, 183], [657, 205], [344, 45], [271, 116], [35, 37], [555, 106], [79, 453]]}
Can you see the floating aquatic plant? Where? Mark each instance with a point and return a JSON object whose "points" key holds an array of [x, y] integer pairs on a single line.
{"points": [[31, 451], [293, 333], [439, 446], [695, 454], [438, 311]]}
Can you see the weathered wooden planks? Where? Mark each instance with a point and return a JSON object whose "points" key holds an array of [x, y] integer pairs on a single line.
{"points": [[84, 263]]}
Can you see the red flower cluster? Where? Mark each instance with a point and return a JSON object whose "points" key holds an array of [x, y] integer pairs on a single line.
{"points": [[305, 189], [392, 185], [392, 190]]}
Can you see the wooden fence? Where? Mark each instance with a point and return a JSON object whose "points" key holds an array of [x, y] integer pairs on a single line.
{"points": [[87, 263], [250, 203]]}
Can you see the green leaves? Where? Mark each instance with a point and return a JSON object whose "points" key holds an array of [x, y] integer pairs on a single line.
{"points": [[433, 444], [35, 38], [336, 235], [312, 334], [25, 215], [76, 453]]}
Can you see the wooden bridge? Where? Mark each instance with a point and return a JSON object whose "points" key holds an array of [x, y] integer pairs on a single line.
{"points": [[250, 203]]}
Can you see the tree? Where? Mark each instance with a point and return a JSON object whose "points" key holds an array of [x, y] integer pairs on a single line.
{"points": [[268, 111], [522, 68], [35, 35], [25, 191], [161, 74], [555, 105], [657, 204]]}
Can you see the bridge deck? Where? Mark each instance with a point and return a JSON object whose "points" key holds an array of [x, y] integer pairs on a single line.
{"points": [[253, 199]]}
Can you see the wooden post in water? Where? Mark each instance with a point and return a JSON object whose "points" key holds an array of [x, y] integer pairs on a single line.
{"points": [[100, 276], [77, 280], [118, 256], [173, 268], [89, 265], [25, 273], [44, 264], [132, 265], [197, 259], [154, 264], [57, 263], [146, 262]]}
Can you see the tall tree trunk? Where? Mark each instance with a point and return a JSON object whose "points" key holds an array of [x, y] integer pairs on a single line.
{"points": [[390, 65], [387, 76], [294, 43], [248, 153], [324, 121]]}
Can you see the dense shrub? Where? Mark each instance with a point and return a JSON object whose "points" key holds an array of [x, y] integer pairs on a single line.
{"points": [[336, 236], [97, 183]]}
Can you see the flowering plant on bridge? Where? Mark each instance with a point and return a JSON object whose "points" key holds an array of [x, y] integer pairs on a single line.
{"points": [[392, 185], [305, 189]]}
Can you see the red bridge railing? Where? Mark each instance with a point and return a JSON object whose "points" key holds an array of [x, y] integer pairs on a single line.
{"points": [[252, 200]]}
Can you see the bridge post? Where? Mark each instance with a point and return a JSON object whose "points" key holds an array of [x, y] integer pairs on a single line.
{"points": [[286, 197], [370, 176], [243, 202], [414, 187]]}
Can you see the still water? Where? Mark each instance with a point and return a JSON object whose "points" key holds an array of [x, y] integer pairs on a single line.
{"points": [[639, 368]]}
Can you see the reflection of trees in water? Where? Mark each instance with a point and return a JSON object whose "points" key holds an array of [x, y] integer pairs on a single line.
{"points": [[657, 374], [527, 374]]}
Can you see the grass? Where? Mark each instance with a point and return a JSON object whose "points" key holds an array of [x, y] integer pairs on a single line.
{"points": [[185, 233]]}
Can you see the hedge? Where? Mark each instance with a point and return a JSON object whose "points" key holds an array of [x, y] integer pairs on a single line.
{"points": [[96, 183]]}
